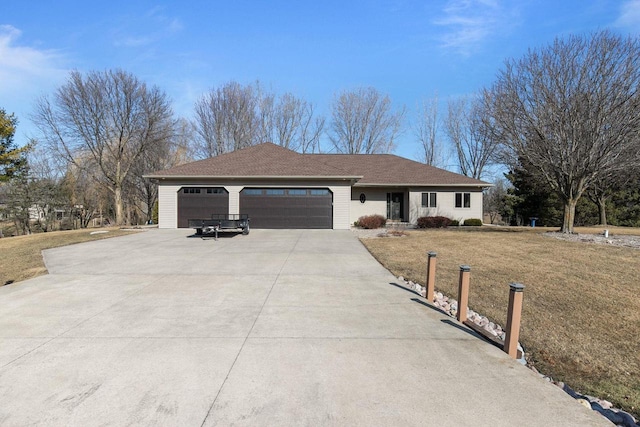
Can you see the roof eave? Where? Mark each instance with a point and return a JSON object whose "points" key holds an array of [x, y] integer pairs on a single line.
{"points": [[415, 184], [278, 177]]}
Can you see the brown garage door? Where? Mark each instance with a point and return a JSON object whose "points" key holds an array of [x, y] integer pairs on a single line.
{"points": [[288, 207], [200, 203]]}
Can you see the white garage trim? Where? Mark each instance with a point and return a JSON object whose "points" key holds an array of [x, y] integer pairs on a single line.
{"points": [[234, 198], [341, 206], [168, 206]]}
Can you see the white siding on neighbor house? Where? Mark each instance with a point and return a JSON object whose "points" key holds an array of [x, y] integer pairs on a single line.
{"points": [[168, 206], [234, 198], [445, 204], [375, 203], [341, 206]]}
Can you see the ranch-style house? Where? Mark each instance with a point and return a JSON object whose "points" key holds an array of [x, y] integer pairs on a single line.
{"points": [[280, 188]]}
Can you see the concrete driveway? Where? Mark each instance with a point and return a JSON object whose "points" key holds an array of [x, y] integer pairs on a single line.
{"points": [[285, 327]]}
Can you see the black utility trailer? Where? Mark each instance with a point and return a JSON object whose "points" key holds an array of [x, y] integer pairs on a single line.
{"points": [[219, 223]]}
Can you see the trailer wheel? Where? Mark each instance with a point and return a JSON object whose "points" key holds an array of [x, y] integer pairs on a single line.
{"points": [[245, 230]]}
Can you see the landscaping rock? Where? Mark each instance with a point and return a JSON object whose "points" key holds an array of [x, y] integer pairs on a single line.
{"points": [[598, 239], [584, 403], [450, 306], [606, 404]]}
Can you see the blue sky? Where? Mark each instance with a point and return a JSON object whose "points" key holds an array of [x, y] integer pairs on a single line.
{"points": [[410, 50]]}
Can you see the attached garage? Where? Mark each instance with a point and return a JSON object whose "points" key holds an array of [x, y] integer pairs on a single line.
{"points": [[288, 207], [201, 202], [279, 188]]}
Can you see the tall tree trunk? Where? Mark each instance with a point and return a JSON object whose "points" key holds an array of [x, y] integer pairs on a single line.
{"points": [[569, 215], [119, 205], [602, 210]]}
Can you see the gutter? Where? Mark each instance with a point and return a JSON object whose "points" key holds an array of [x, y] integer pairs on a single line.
{"points": [[366, 184], [314, 177]]}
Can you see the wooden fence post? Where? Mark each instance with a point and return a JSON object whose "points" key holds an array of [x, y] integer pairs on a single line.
{"points": [[463, 293], [514, 315], [431, 276]]}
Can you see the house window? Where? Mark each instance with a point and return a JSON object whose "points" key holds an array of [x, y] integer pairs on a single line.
{"points": [[319, 192], [252, 192], [296, 192], [274, 192], [463, 200], [429, 200]]}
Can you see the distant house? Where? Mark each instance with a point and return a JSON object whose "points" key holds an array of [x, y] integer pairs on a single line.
{"points": [[280, 188]]}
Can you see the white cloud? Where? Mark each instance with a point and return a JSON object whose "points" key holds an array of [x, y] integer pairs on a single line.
{"points": [[468, 23], [629, 15], [25, 74], [159, 27], [22, 67]]}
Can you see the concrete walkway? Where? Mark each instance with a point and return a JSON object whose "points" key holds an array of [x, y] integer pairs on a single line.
{"points": [[276, 328]]}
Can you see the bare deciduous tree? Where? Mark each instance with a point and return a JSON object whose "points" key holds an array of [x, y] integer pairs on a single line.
{"points": [[236, 116], [106, 120], [601, 190], [427, 130], [571, 110], [46, 175], [289, 121], [142, 192], [311, 128], [474, 148], [227, 119], [363, 121], [495, 200], [88, 199]]}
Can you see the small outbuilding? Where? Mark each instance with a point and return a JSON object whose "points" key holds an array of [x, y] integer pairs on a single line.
{"points": [[280, 188]]}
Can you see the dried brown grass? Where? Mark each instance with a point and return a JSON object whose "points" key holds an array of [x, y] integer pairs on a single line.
{"points": [[581, 315], [21, 256]]}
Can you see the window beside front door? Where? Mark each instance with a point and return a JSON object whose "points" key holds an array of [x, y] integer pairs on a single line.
{"points": [[463, 200], [429, 200]]}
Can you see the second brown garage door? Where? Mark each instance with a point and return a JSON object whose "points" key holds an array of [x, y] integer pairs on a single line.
{"points": [[288, 207]]}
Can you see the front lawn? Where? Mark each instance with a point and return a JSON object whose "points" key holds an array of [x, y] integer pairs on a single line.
{"points": [[581, 315], [21, 256]]}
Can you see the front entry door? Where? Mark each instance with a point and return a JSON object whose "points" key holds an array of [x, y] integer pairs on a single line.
{"points": [[395, 206]]}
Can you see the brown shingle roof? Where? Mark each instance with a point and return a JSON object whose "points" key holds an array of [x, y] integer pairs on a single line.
{"points": [[270, 160], [262, 160], [389, 169]]}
